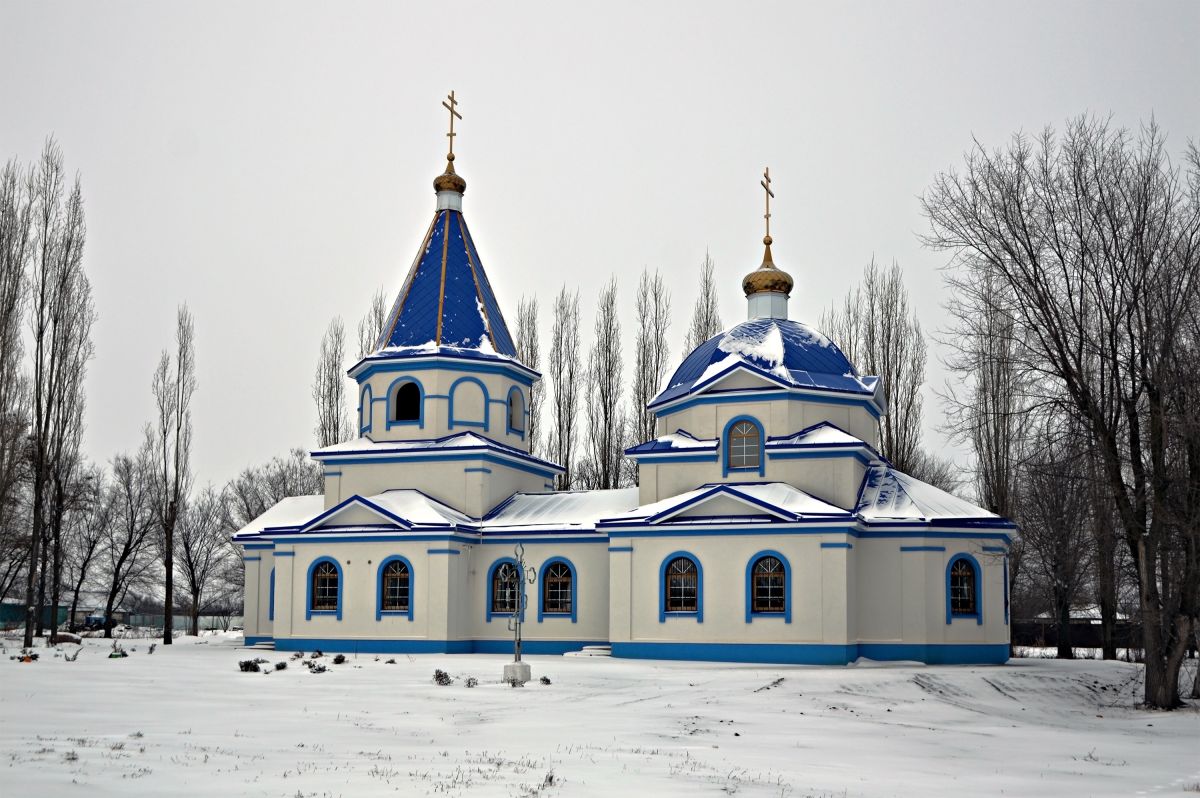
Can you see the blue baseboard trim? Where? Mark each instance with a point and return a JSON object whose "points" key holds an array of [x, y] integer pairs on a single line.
{"points": [[818, 653], [254, 641], [381, 646]]}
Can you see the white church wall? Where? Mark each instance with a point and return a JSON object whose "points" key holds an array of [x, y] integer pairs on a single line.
{"points": [[471, 486], [480, 404], [818, 600], [254, 608], [590, 562]]}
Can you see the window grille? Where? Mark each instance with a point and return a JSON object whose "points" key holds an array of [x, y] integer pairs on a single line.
{"points": [[556, 590], [681, 585], [325, 587], [744, 441], [768, 591], [396, 580]]}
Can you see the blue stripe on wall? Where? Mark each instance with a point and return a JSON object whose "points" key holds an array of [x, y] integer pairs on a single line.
{"points": [[818, 653], [381, 646]]}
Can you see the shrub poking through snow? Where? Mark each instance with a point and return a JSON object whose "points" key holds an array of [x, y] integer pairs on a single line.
{"points": [[441, 678], [73, 657], [545, 680], [317, 654], [281, 666], [152, 647], [249, 666], [390, 662], [315, 668], [298, 655], [471, 682], [117, 652], [339, 659]]}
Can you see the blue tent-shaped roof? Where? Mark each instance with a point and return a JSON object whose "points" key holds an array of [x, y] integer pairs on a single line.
{"points": [[446, 301]]}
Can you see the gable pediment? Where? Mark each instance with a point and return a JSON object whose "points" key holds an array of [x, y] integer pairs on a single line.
{"points": [[722, 501], [355, 511], [739, 378]]}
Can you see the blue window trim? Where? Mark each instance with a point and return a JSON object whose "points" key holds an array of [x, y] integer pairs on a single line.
{"points": [[978, 614], [1006, 590], [309, 612], [491, 573], [379, 610], [365, 405], [271, 597], [787, 587], [419, 421], [511, 430], [574, 590], [761, 468], [662, 588], [486, 405]]}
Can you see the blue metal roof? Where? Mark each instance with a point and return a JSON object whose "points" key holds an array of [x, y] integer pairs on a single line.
{"points": [[447, 300], [781, 349]]}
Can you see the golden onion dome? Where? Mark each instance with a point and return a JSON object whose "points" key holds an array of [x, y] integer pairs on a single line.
{"points": [[767, 277], [449, 180]]}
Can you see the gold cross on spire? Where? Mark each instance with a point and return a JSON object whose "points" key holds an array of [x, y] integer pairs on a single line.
{"points": [[766, 184], [450, 104]]}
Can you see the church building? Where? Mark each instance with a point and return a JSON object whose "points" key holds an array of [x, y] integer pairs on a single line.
{"points": [[766, 526]]}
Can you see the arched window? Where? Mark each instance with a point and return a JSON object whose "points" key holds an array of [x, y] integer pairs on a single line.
{"points": [[406, 402], [271, 597], [682, 586], [768, 582], [506, 588], [516, 411], [557, 592], [468, 403], [963, 593], [325, 587], [395, 587], [364, 410], [743, 446]]}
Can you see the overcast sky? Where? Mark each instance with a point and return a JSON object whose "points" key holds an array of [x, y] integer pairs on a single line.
{"points": [[270, 164]]}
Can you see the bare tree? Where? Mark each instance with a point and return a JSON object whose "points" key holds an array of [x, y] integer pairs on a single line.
{"points": [[16, 251], [706, 317], [258, 489], [564, 382], [989, 411], [60, 316], [1097, 241], [85, 533], [528, 352], [881, 335], [651, 352], [1055, 521], [202, 549], [605, 414], [329, 387], [370, 326], [169, 438], [129, 536]]}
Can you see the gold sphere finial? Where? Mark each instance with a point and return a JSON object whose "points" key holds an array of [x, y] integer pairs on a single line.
{"points": [[768, 277], [450, 157]]}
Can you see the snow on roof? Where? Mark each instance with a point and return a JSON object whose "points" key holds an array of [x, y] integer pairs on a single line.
{"points": [[781, 349], [417, 508], [673, 442], [575, 509], [461, 440], [778, 496], [292, 511], [889, 495], [822, 434]]}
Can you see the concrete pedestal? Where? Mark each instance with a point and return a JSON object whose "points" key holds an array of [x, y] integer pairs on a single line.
{"points": [[517, 672]]}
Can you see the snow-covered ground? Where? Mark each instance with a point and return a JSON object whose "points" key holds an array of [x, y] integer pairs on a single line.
{"points": [[185, 721]]}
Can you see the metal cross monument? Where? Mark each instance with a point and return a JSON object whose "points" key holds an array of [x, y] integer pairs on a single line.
{"points": [[517, 672]]}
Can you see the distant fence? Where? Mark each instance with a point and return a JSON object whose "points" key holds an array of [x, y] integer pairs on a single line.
{"points": [[182, 623], [13, 615], [1083, 635]]}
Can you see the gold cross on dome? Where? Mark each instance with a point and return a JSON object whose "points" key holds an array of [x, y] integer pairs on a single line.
{"points": [[766, 184], [450, 104]]}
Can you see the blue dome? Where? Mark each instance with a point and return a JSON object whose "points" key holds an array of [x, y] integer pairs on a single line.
{"points": [[779, 349]]}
